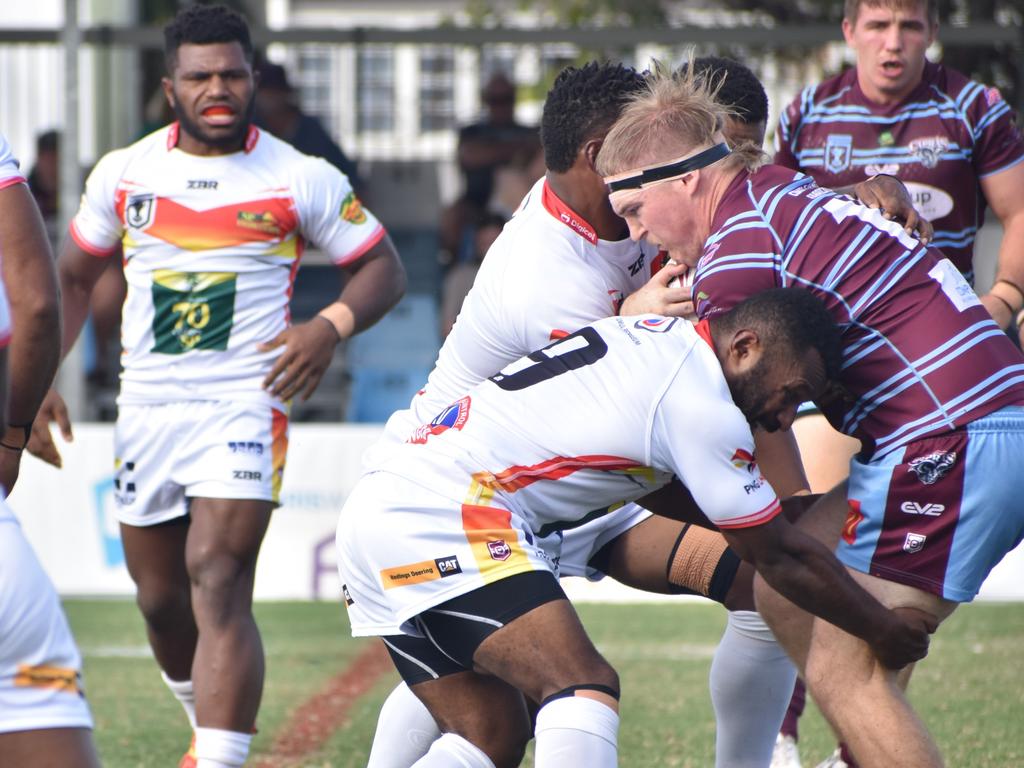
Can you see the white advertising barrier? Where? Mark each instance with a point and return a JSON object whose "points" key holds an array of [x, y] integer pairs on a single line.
{"points": [[68, 516]]}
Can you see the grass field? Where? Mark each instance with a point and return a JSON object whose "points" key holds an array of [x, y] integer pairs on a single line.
{"points": [[970, 690]]}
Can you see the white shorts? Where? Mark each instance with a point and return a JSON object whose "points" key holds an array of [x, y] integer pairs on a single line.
{"points": [[403, 549], [165, 454], [40, 667], [580, 544]]}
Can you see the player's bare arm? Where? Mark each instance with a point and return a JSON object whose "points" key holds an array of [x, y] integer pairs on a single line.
{"points": [[77, 272], [1005, 299], [34, 352], [889, 195], [803, 570], [374, 284]]}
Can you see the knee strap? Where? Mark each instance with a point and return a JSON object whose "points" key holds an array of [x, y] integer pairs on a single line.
{"points": [[571, 691], [702, 563]]}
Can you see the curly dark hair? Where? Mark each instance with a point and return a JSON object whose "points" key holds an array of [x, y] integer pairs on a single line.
{"points": [[740, 88], [793, 321], [204, 24], [583, 104]]}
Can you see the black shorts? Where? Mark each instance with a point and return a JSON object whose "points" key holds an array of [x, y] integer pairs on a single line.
{"points": [[453, 630]]}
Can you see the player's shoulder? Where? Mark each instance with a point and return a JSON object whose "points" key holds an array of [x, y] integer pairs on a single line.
{"points": [[970, 96], [295, 168], [817, 95], [138, 154]]}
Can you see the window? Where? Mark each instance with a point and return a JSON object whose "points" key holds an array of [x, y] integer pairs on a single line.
{"points": [[437, 81], [375, 89]]}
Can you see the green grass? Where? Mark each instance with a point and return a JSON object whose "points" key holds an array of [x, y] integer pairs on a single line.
{"points": [[969, 690]]}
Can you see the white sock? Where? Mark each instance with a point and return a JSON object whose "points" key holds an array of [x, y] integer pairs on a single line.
{"points": [[575, 730], [182, 690], [221, 749], [405, 730], [453, 751], [751, 684]]}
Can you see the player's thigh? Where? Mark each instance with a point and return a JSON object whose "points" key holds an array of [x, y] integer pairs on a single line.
{"points": [[155, 555], [482, 709], [825, 453], [545, 651], [48, 748], [522, 630]]}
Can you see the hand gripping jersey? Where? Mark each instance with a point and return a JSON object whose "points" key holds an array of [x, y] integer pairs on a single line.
{"points": [[211, 246], [948, 133], [921, 354], [604, 415], [546, 275]]}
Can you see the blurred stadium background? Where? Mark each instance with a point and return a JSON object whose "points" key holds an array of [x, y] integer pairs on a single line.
{"points": [[392, 80]]}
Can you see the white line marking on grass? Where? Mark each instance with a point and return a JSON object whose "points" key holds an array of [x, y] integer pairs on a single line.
{"points": [[627, 651], [117, 652]]}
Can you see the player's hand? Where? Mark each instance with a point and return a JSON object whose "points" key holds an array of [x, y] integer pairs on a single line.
{"points": [[40, 443], [663, 294], [904, 638], [308, 349], [887, 194]]}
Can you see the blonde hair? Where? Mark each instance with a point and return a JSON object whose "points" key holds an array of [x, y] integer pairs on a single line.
{"points": [[851, 8], [675, 114]]}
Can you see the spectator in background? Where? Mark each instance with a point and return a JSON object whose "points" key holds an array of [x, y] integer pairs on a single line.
{"points": [[278, 111], [44, 180], [495, 142], [460, 277]]}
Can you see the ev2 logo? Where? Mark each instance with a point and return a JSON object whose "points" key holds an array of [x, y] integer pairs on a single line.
{"points": [[928, 510]]}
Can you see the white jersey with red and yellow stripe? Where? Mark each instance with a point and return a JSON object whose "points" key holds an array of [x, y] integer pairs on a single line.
{"points": [[547, 275], [211, 246], [604, 415]]}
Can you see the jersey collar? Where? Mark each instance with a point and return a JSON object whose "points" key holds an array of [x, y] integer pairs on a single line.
{"points": [[174, 133], [703, 329], [557, 208]]}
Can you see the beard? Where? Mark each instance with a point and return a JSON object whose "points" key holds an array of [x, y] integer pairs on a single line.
{"points": [[748, 393], [225, 141]]}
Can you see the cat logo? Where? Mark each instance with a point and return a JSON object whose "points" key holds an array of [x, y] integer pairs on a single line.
{"points": [[138, 213], [448, 566]]}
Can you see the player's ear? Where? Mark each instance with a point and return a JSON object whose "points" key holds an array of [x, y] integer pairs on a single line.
{"points": [[746, 347], [590, 149], [168, 86]]}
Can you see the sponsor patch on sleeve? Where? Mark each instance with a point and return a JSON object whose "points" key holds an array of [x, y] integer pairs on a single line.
{"points": [[352, 209]]}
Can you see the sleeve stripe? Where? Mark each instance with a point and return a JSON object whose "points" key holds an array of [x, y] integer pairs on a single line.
{"points": [[372, 240], [758, 518], [85, 245], [11, 181]]}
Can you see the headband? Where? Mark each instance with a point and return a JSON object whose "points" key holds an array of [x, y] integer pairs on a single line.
{"points": [[667, 171]]}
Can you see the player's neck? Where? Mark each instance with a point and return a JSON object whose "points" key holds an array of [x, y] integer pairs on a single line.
{"points": [[578, 190], [191, 145]]}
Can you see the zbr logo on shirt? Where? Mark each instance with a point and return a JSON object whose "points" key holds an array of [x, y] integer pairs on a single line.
{"points": [[838, 152]]}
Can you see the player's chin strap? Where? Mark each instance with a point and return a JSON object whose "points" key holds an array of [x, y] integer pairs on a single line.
{"points": [[670, 170], [571, 691]]}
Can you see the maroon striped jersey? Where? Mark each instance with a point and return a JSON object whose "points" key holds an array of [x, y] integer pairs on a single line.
{"points": [[947, 133], [921, 355]]}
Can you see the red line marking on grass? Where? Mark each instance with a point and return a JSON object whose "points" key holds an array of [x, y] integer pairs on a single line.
{"points": [[321, 715]]}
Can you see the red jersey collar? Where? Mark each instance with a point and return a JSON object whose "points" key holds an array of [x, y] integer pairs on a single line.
{"points": [[557, 208], [174, 133], [703, 329]]}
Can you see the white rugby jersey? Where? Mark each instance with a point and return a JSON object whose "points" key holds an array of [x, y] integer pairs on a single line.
{"points": [[546, 275], [607, 414], [211, 246]]}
